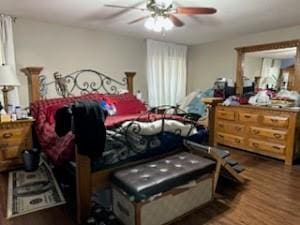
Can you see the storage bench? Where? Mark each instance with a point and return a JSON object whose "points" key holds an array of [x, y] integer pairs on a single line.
{"points": [[158, 192]]}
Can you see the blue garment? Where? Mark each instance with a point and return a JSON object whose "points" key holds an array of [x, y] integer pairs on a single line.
{"points": [[110, 108], [196, 106]]}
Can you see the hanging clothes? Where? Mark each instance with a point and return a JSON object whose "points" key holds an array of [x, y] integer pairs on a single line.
{"points": [[86, 119]]}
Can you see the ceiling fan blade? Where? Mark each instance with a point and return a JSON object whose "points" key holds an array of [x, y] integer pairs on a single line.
{"points": [[195, 10], [139, 19], [125, 7], [176, 21]]}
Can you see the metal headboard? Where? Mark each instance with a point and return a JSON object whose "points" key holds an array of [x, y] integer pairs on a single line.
{"points": [[70, 84], [80, 82]]}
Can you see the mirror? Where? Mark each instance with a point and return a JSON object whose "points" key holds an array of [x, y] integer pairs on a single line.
{"points": [[271, 69], [271, 66]]}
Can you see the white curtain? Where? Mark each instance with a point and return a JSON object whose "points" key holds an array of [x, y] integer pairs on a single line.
{"points": [[8, 52], [270, 72], [166, 72]]}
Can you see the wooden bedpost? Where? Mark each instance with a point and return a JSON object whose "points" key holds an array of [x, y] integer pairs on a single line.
{"points": [[83, 186], [130, 76], [32, 74], [211, 102]]}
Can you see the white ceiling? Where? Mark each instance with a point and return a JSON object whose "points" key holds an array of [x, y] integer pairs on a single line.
{"points": [[234, 17]]}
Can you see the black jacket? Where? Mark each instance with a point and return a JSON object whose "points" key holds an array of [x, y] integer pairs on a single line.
{"points": [[86, 119]]}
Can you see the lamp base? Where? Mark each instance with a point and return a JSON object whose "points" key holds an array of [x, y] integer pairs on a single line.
{"points": [[5, 91]]}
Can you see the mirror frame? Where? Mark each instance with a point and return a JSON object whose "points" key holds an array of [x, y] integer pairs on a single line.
{"points": [[241, 51]]}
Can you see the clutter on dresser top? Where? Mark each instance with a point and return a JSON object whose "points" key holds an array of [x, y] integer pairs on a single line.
{"points": [[13, 113]]}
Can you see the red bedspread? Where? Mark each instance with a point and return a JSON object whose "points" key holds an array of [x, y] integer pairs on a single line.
{"points": [[61, 149]]}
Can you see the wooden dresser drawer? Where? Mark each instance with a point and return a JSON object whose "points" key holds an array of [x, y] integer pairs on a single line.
{"points": [[22, 142], [273, 132], [276, 121], [225, 114], [269, 133], [230, 128], [267, 146], [10, 153], [15, 136], [229, 139], [10, 164], [248, 117], [13, 133]]}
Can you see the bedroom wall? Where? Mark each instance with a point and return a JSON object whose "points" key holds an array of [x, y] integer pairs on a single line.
{"points": [[208, 61], [67, 49]]}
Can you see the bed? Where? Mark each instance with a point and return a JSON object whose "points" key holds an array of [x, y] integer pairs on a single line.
{"points": [[125, 126]]}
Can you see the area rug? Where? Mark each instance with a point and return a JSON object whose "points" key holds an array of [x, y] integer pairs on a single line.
{"points": [[32, 191]]}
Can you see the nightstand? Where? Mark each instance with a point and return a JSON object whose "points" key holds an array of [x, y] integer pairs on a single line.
{"points": [[15, 136]]}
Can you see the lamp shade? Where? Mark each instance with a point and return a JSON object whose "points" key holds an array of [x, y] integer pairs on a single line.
{"points": [[8, 77]]}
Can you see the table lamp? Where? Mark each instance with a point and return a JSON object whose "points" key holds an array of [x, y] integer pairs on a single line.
{"points": [[8, 80]]}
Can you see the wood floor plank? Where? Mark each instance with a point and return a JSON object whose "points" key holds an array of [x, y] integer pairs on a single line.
{"points": [[269, 197]]}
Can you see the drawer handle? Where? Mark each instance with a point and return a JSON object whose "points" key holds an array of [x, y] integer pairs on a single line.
{"points": [[276, 147], [221, 136], [278, 136], [237, 141], [247, 116], [238, 128], [256, 131], [274, 120], [7, 135], [255, 145]]}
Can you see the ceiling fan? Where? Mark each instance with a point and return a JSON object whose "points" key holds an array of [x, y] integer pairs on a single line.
{"points": [[162, 14]]}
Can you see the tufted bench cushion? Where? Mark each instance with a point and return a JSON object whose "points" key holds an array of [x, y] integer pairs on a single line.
{"points": [[146, 180]]}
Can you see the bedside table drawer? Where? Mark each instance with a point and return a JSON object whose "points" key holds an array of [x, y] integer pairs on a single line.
{"points": [[22, 142], [15, 136], [10, 153], [13, 133]]}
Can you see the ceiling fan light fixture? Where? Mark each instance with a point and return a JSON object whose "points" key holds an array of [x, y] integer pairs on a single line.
{"points": [[150, 23], [168, 24], [158, 23], [164, 3]]}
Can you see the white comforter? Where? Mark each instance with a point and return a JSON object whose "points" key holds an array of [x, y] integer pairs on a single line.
{"points": [[167, 125]]}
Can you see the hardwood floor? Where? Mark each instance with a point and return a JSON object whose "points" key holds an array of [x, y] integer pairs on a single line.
{"points": [[271, 196]]}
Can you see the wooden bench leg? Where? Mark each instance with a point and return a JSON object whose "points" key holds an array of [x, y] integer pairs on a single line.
{"points": [[217, 174], [83, 187]]}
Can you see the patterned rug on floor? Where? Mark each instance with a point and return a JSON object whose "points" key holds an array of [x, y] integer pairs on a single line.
{"points": [[32, 191]]}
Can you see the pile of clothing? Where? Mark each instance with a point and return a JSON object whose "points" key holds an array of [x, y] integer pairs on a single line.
{"points": [[193, 104]]}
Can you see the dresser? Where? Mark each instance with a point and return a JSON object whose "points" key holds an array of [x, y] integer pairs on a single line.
{"points": [[14, 137], [268, 131]]}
